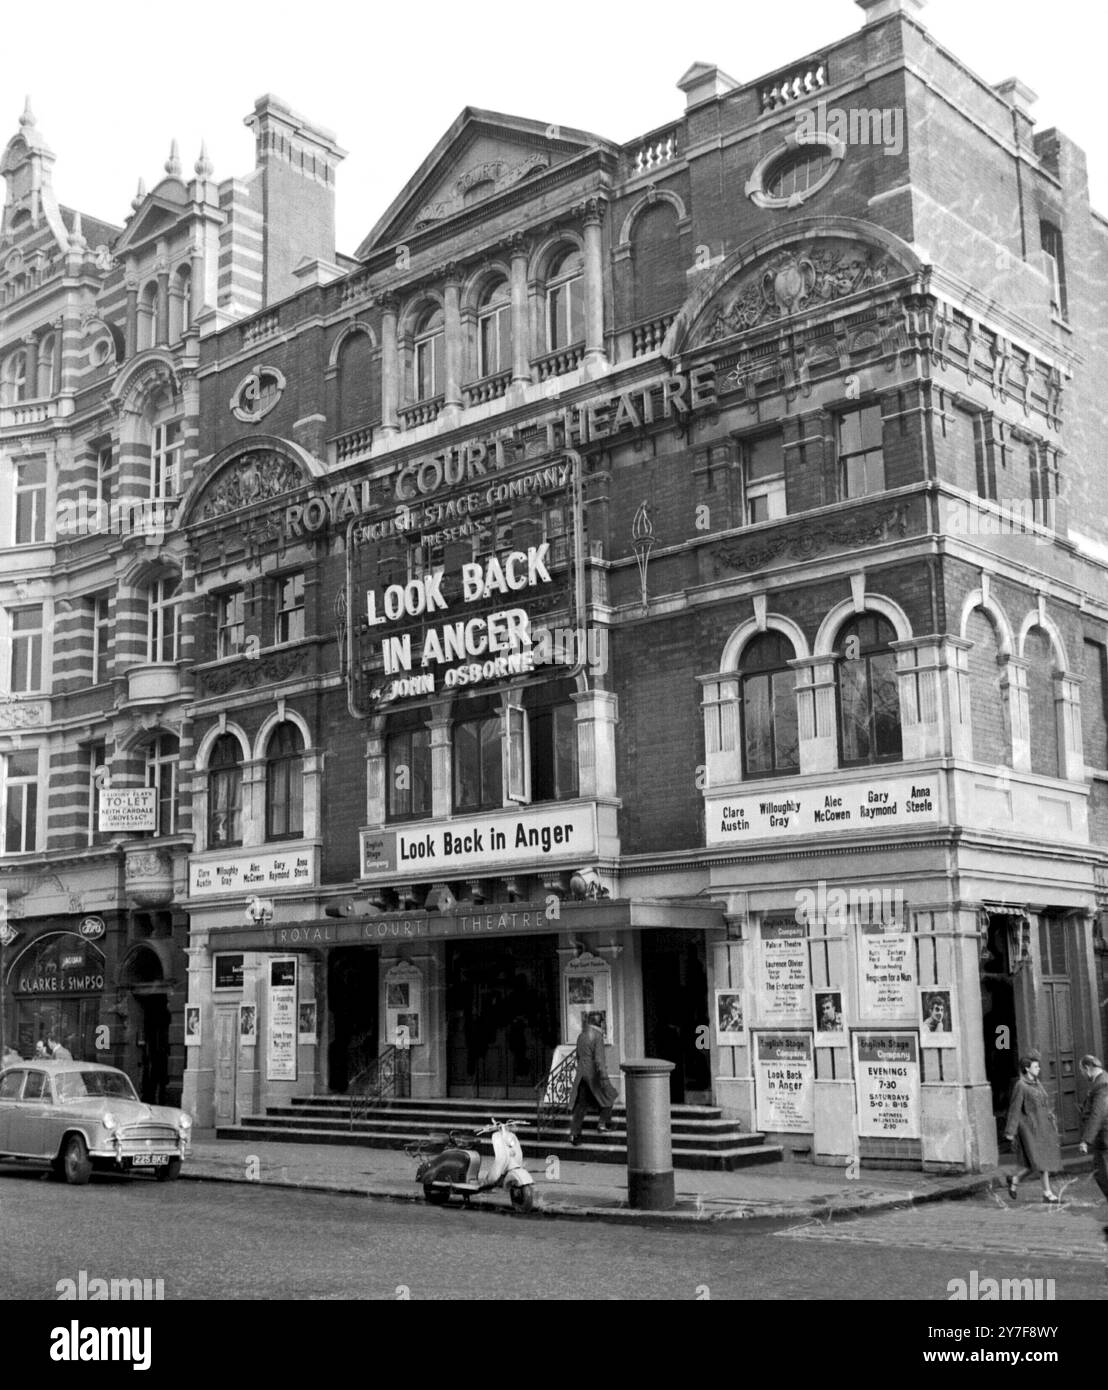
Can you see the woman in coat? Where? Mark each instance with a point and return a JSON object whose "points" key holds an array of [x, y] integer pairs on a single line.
{"points": [[1032, 1130]]}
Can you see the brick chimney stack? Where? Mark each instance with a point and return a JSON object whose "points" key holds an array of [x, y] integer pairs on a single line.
{"points": [[295, 164]]}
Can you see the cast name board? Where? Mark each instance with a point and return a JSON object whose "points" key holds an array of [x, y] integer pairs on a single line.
{"points": [[876, 803], [128, 808], [483, 843], [251, 872]]}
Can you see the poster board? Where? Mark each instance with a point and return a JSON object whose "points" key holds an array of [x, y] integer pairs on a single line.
{"points": [[784, 1079], [886, 1079], [281, 1020]]}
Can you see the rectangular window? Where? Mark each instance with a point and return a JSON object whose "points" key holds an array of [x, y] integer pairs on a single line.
{"points": [[20, 790], [494, 538], [565, 313], [553, 753], [764, 478], [1041, 483], [429, 366], [517, 779], [164, 620], [104, 461], [30, 502], [290, 608], [408, 766], [168, 446], [719, 716], [26, 670], [97, 760], [556, 524], [495, 341], [162, 763], [101, 637], [478, 768], [1050, 238], [861, 463], [230, 623], [227, 971]]}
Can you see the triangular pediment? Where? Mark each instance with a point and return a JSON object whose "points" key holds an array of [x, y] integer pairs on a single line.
{"points": [[483, 154], [159, 213]]}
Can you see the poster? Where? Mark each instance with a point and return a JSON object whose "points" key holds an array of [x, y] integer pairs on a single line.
{"points": [[403, 1006], [192, 1025], [827, 1006], [128, 810], [936, 1018], [282, 1020], [886, 972], [248, 1025], [785, 1082], [306, 1029], [886, 1072], [730, 1018], [784, 994]]}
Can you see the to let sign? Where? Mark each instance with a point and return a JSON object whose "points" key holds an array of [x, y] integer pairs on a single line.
{"points": [[129, 808]]}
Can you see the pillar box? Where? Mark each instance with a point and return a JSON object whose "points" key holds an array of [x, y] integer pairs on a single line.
{"points": [[649, 1143]]}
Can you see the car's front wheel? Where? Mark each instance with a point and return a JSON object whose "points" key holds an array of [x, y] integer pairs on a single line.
{"points": [[169, 1172], [76, 1164]]}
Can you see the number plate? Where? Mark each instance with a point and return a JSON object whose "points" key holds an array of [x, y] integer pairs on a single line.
{"points": [[149, 1160]]}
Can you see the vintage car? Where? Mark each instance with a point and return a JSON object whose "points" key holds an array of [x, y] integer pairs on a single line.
{"points": [[77, 1116]]}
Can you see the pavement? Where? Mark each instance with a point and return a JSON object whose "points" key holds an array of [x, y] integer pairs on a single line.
{"points": [[785, 1191]]}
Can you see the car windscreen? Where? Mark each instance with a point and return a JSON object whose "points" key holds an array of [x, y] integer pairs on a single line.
{"points": [[78, 1085]]}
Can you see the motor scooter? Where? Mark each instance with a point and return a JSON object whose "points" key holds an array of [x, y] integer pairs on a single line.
{"points": [[454, 1168]]}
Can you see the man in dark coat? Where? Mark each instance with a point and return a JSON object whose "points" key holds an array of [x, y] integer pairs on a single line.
{"points": [[591, 1086], [1094, 1117]]}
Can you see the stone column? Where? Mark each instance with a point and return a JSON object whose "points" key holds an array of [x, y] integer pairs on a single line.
{"points": [[918, 662], [161, 315], [816, 713], [597, 716], [521, 335], [376, 793], [131, 328], [594, 284], [1067, 701], [442, 748], [452, 340], [390, 365], [1013, 686]]}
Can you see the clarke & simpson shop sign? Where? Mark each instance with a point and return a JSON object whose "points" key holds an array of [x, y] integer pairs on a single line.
{"points": [[874, 804], [482, 842]]}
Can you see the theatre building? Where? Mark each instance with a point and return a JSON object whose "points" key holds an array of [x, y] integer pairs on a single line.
{"points": [[667, 581]]}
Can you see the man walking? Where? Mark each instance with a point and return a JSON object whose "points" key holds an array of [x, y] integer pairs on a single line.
{"points": [[591, 1085], [1094, 1116]]}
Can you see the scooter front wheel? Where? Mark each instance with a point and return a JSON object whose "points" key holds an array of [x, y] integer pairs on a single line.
{"points": [[437, 1196], [523, 1196]]}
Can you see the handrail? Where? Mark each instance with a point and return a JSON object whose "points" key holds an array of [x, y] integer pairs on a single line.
{"points": [[554, 1091], [387, 1075]]}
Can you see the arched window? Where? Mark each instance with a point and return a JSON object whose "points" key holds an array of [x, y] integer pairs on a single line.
{"points": [[163, 758], [1038, 651], [478, 758], [46, 351], [147, 315], [284, 783], [771, 743], [408, 766], [430, 347], [494, 330], [659, 272], [225, 792], [565, 300], [13, 388], [991, 733], [163, 619], [869, 703], [359, 382], [180, 304]]}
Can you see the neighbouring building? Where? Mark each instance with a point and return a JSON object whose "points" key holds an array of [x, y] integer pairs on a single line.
{"points": [[98, 438]]}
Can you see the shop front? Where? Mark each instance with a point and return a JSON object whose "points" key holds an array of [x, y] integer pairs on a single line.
{"points": [[55, 985]]}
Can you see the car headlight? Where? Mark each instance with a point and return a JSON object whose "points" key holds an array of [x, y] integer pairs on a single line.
{"points": [[108, 1120], [184, 1122]]}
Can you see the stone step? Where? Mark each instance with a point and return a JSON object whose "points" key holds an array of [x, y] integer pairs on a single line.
{"points": [[591, 1150], [430, 1119], [464, 1105]]}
